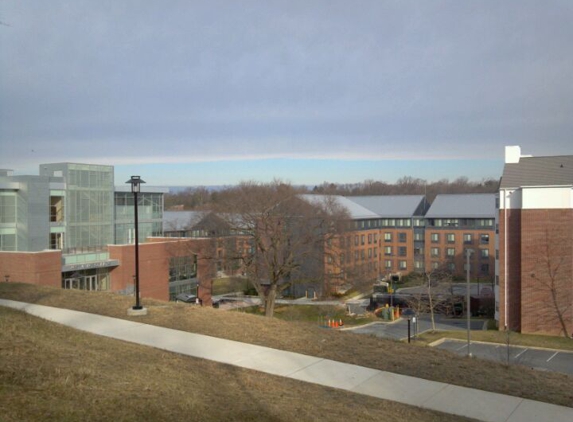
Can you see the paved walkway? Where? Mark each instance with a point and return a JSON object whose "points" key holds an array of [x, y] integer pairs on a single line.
{"points": [[432, 395]]}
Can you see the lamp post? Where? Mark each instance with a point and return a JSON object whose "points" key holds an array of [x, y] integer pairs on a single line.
{"points": [[410, 314], [468, 253], [136, 182]]}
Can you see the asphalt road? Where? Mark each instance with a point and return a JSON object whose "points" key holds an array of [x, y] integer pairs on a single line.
{"points": [[398, 330], [547, 360]]}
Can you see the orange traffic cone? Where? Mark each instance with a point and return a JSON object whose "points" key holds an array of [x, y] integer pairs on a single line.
{"points": [[329, 323], [341, 323]]}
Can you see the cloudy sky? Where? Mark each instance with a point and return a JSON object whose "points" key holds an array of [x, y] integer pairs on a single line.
{"points": [[218, 91]]}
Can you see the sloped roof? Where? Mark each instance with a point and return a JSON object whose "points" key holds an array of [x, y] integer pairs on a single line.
{"points": [[356, 211], [392, 206], [538, 171], [475, 205], [181, 220]]}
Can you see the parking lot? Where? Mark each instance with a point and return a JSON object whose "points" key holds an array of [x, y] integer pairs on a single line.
{"points": [[398, 330], [542, 359]]}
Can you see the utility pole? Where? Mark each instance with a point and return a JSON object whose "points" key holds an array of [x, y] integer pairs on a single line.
{"points": [[468, 306]]}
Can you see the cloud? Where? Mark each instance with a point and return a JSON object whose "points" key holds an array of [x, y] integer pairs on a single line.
{"points": [[141, 82]]}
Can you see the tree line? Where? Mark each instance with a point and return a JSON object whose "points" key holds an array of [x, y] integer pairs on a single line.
{"points": [[202, 198]]}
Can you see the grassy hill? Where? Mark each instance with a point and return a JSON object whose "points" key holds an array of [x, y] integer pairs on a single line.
{"points": [[50, 372]]}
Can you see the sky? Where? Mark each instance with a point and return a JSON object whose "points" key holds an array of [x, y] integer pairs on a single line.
{"points": [[220, 91]]}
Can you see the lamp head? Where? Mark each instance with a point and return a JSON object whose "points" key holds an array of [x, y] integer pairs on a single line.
{"points": [[135, 182]]}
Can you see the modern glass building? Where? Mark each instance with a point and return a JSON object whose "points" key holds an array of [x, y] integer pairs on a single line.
{"points": [[75, 208]]}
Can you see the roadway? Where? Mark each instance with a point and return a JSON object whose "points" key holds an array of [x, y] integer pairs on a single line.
{"points": [[398, 330], [543, 359]]}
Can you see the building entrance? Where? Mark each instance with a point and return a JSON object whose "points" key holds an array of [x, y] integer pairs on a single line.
{"points": [[90, 280]]}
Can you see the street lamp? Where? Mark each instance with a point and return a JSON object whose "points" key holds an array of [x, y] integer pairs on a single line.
{"points": [[136, 182], [410, 314], [468, 253]]}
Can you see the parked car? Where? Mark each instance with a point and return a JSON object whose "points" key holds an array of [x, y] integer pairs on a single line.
{"points": [[186, 297]]}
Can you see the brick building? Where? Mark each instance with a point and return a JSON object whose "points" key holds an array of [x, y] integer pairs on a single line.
{"points": [[70, 227], [534, 272], [456, 224]]}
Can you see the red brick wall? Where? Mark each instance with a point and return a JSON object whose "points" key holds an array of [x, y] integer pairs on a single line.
{"points": [[42, 268], [513, 268], [459, 246], [206, 250], [153, 269], [546, 265]]}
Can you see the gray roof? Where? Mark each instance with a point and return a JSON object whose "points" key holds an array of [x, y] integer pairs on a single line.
{"points": [[474, 205], [538, 171], [392, 206], [356, 211], [180, 220]]}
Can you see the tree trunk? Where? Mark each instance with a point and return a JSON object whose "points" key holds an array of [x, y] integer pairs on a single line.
{"points": [[431, 304], [270, 301]]}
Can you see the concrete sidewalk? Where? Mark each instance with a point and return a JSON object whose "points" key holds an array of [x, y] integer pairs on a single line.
{"points": [[432, 395]]}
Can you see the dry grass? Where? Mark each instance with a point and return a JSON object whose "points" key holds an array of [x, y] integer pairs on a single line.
{"points": [[51, 372], [358, 349]]}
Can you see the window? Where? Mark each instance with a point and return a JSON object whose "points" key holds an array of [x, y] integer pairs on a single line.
{"points": [[402, 265], [375, 252], [484, 253], [451, 238], [484, 239], [375, 237], [387, 237], [369, 239], [362, 239], [7, 208], [468, 238], [497, 254], [182, 268], [497, 280], [484, 268], [7, 242], [450, 252], [388, 250], [435, 237], [402, 251], [369, 253], [356, 240], [419, 265], [356, 255], [435, 252], [452, 267], [419, 237], [402, 237], [388, 264], [418, 251], [435, 265], [362, 254]]}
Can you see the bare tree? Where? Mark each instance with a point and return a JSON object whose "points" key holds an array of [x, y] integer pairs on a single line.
{"points": [[202, 253], [289, 237], [552, 276], [435, 293]]}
